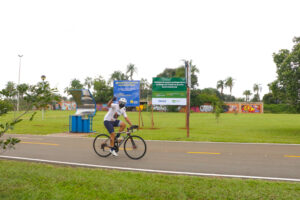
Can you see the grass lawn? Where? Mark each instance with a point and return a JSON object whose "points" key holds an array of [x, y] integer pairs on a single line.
{"points": [[262, 128], [22, 180]]}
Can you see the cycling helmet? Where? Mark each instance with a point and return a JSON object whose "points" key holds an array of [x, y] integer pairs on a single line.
{"points": [[122, 102]]}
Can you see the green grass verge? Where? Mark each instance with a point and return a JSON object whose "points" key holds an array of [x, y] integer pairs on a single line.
{"points": [[22, 180], [261, 128]]}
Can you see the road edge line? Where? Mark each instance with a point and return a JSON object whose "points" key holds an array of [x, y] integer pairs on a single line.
{"points": [[150, 170], [175, 141]]}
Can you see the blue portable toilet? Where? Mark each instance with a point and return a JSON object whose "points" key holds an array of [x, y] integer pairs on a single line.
{"points": [[82, 120]]}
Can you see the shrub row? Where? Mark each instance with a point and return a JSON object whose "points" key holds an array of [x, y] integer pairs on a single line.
{"points": [[279, 108]]}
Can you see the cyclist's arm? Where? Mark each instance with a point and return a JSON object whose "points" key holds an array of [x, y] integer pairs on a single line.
{"points": [[125, 116], [128, 121], [110, 102]]}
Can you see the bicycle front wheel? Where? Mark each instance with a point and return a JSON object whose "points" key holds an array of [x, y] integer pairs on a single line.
{"points": [[135, 147], [101, 145]]}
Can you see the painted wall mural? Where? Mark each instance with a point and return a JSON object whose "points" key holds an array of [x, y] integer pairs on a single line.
{"points": [[231, 108], [206, 108], [102, 107], [251, 108], [66, 105]]}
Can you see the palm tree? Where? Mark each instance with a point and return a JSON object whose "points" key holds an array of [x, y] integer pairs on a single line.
{"points": [[194, 70], [144, 84], [117, 75], [88, 82], [257, 88], [131, 69], [247, 93], [220, 85], [229, 82]]}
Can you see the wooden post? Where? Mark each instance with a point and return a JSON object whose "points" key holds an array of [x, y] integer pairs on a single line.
{"points": [[152, 121], [188, 85], [142, 119], [139, 116]]}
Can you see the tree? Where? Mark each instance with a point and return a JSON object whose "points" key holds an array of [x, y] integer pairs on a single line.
{"points": [[229, 82], [145, 88], [194, 100], [180, 72], [168, 73], [117, 75], [255, 98], [41, 95], [256, 88], [211, 91], [194, 72], [285, 87], [9, 91], [220, 85], [74, 84], [247, 93], [269, 99], [22, 89], [88, 82], [102, 91], [131, 69], [36, 96]]}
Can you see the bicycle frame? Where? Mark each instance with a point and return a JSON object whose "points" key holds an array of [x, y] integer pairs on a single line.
{"points": [[130, 142], [128, 134]]}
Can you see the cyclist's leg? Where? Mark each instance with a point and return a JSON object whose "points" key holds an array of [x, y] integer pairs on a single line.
{"points": [[122, 126], [110, 128]]}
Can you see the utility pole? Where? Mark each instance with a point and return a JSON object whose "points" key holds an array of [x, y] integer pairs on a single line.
{"points": [[18, 100]]}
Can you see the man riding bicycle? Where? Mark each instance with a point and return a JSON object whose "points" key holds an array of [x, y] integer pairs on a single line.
{"points": [[111, 119]]}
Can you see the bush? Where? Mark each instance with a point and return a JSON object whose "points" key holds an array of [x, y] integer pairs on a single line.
{"points": [[172, 108], [5, 106], [279, 108]]}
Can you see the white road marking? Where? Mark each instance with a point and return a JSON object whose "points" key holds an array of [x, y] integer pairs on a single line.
{"points": [[200, 142], [150, 170]]}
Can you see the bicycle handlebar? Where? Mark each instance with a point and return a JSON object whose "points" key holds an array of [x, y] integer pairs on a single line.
{"points": [[133, 127]]}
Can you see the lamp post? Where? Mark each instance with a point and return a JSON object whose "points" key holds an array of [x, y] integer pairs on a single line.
{"points": [[43, 77], [18, 100]]}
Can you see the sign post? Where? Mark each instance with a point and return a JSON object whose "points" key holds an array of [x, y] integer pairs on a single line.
{"points": [[169, 91], [188, 85]]}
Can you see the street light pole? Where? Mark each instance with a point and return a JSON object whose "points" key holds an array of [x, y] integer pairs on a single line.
{"points": [[18, 101]]}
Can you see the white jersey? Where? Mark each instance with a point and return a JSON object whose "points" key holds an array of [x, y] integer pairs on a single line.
{"points": [[114, 109]]}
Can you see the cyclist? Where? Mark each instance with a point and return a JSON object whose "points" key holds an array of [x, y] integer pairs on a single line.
{"points": [[111, 119]]}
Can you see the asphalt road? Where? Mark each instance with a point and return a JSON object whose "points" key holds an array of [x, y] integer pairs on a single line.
{"points": [[267, 161]]}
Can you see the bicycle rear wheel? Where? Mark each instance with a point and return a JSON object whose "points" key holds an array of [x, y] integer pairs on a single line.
{"points": [[135, 147], [101, 145]]}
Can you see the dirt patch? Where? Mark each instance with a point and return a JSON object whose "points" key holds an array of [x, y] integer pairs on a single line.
{"points": [[183, 128]]}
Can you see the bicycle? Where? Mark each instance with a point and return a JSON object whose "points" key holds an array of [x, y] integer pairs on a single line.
{"points": [[134, 146]]}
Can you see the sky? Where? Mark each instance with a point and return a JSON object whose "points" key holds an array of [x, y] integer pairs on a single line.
{"points": [[67, 39]]}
